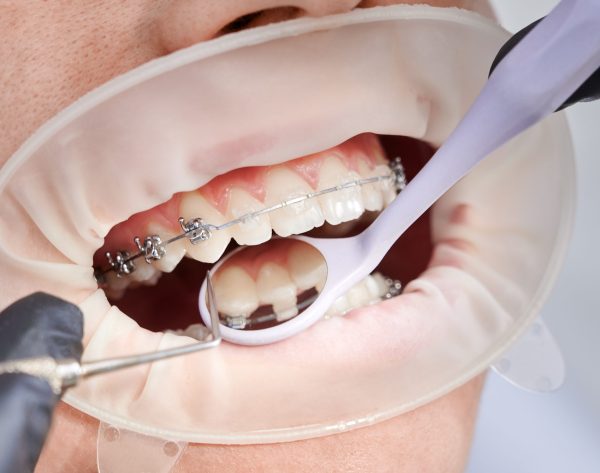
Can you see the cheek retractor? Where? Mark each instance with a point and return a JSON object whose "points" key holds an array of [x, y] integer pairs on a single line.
{"points": [[530, 83]]}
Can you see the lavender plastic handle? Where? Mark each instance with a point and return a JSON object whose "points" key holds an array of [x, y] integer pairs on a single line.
{"points": [[532, 81]]}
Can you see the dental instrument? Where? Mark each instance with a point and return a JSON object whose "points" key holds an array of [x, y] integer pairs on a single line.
{"points": [[531, 82]]}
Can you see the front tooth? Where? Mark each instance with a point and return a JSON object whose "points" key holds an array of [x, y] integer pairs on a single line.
{"points": [[343, 205], [174, 252], [275, 287], [371, 193], [235, 292], [252, 231], [283, 184], [307, 267], [194, 205]]}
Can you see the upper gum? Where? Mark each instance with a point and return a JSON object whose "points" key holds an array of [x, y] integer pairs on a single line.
{"points": [[364, 148]]}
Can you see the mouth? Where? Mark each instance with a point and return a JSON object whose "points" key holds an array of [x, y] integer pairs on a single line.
{"points": [[162, 295], [471, 267]]}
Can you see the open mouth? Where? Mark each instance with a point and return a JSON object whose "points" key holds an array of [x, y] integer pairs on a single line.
{"points": [[162, 295], [469, 266]]}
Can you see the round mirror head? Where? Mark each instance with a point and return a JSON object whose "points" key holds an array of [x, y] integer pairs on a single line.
{"points": [[259, 287]]}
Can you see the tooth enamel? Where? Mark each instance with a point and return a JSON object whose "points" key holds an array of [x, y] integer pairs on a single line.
{"points": [[387, 185], [194, 205], [342, 205], [174, 251], [358, 295], [197, 331], [307, 267], [116, 286], [283, 184], [235, 292], [339, 307], [371, 193], [145, 272], [253, 231], [375, 285], [371, 289], [275, 287]]}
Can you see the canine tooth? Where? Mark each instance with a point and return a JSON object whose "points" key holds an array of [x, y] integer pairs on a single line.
{"points": [[275, 287], [254, 231], [174, 251], [235, 292], [342, 205], [283, 184], [307, 267], [371, 193], [375, 285], [194, 205]]}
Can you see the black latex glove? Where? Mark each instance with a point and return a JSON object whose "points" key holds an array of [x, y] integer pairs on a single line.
{"points": [[37, 325]]}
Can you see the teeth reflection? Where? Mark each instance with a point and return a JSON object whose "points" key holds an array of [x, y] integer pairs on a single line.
{"points": [[194, 205], [307, 267], [276, 287], [282, 184], [342, 205], [235, 292]]}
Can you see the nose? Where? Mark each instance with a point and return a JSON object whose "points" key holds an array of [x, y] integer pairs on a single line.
{"points": [[186, 22]]}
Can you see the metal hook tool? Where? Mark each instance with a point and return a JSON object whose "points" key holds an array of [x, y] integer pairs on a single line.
{"points": [[62, 374]]}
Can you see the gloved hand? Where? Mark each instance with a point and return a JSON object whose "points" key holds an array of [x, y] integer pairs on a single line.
{"points": [[37, 325]]}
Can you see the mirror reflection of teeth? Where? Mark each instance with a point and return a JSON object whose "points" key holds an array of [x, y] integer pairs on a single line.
{"points": [[292, 208]]}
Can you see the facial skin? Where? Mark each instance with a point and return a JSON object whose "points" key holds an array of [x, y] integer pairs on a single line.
{"points": [[55, 51]]}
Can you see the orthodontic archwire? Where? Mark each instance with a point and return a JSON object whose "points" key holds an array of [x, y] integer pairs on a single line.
{"points": [[196, 230], [240, 322]]}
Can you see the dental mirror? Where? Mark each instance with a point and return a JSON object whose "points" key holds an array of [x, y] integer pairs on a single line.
{"points": [[505, 107]]}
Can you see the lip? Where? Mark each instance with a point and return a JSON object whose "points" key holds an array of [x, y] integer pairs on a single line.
{"points": [[236, 393]]}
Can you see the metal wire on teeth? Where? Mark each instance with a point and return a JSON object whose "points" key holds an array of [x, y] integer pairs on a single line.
{"points": [[196, 230], [239, 322]]}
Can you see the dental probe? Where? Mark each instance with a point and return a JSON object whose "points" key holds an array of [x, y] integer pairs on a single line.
{"points": [[62, 373], [530, 83], [196, 230]]}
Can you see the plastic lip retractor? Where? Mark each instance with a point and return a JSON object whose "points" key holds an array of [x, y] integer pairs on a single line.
{"points": [[530, 83], [62, 374]]}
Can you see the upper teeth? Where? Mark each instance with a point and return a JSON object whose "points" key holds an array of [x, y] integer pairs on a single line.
{"points": [[291, 207]]}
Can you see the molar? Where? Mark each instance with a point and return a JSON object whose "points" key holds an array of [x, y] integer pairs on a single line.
{"points": [[236, 292], [282, 184], [344, 205], [275, 287], [194, 205], [254, 231]]}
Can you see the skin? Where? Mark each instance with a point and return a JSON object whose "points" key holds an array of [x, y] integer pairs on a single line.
{"points": [[52, 52]]}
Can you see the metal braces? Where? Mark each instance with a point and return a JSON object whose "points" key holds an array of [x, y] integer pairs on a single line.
{"points": [[239, 322], [196, 230]]}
